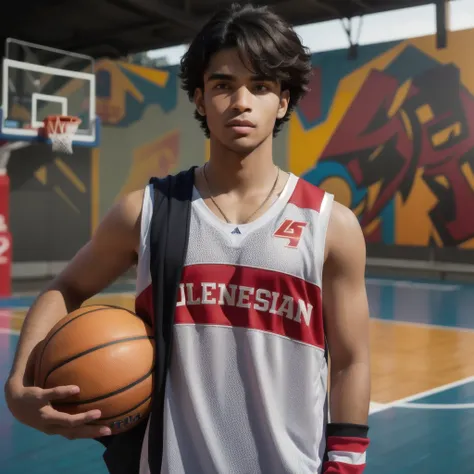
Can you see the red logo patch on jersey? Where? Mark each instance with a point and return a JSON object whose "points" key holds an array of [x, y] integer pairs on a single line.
{"points": [[292, 231]]}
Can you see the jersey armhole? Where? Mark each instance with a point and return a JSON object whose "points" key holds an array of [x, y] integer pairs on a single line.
{"points": [[324, 216], [143, 264], [147, 212]]}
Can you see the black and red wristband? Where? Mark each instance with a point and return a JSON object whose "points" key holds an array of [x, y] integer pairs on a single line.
{"points": [[346, 448]]}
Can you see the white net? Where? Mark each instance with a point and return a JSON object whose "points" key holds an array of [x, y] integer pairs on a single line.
{"points": [[61, 131]]}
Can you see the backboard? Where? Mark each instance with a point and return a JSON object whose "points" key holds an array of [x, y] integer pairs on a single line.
{"points": [[38, 81]]}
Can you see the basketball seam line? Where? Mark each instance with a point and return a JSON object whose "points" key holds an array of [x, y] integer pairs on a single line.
{"points": [[96, 308], [93, 349], [55, 332], [111, 394], [125, 412]]}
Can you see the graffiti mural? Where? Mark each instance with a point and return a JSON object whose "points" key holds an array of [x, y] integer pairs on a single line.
{"points": [[396, 141], [390, 134], [141, 111], [124, 90], [148, 128]]}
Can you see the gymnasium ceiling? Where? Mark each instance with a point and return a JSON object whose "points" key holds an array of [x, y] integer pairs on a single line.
{"points": [[116, 28]]}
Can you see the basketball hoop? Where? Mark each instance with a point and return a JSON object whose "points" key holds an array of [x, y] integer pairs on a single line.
{"points": [[61, 130]]}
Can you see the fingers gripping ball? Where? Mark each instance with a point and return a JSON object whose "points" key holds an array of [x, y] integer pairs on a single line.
{"points": [[109, 353]]}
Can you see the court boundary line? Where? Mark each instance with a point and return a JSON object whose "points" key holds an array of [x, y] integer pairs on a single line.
{"points": [[437, 406], [9, 316], [380, 407], [26, 293], [377, 407], [128, 294], [424, 325], [14, 332], [412, 284]]}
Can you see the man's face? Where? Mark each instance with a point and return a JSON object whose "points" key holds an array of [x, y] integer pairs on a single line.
{"points": [[240, 107]]}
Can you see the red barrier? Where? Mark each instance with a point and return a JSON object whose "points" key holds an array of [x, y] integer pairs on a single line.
{"points": [[4, 199], [5, 264], [5, 238]]}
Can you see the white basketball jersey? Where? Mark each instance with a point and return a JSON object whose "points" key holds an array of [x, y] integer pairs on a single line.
{"points": [[246, 391]]}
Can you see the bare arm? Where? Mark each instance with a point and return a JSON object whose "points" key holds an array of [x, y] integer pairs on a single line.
{"points": [[111, 251], [346, 317]]}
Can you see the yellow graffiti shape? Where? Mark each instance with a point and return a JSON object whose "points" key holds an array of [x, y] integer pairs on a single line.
{"points": [[469, 244], [468, 174], [339, 188], [306, 146], [70, 175], [41, 174], [157, 158], [445, 135], [399, 99], [112, 109], [156, 76], [425, 113], [59, 191], [413, 225]]}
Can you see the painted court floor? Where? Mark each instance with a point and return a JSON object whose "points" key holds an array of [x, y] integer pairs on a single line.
{"points": [[422, 411]]}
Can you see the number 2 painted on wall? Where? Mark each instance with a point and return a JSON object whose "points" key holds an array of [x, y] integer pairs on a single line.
{"points": [[4, 248]]}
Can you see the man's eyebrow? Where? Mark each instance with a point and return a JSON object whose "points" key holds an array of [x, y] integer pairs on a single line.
{"points": [[217, 76], [262, 78]]}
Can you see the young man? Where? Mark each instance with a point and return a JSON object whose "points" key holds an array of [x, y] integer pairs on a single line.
{"points": [[273, 280]]}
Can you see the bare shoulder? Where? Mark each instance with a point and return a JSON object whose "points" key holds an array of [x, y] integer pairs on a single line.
{"points": [[121, 224], [132, 202], [110, 252], [345, 238], [343, 219], [126, 211]]}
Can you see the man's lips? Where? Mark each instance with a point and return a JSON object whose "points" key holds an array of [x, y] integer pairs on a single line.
{"points": [[240, 124]]}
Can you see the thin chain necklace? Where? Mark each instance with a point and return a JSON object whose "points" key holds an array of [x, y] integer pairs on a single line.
{"points": [[253, 213]]}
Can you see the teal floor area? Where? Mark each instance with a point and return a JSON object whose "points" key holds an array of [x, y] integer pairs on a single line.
{"points": [[432, 433]]}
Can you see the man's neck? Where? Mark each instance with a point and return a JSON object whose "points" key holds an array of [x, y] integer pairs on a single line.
{"points": [[230, 172]]}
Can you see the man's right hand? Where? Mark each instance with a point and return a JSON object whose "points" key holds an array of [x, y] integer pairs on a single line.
{"points": [[109, 254], [32, 406]]}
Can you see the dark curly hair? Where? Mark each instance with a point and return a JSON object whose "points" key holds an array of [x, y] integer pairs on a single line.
{"points": [[264, 39]]}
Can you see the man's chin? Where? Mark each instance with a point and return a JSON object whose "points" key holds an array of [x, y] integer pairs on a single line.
{"points": [[243, 145]]}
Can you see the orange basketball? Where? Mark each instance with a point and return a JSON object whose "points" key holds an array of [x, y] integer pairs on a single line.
{"points": [[108, 352]]}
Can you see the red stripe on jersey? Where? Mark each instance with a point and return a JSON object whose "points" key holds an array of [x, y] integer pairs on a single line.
{"points": [[307, 196], [345, 443], [252, 298], [144, 304], [342, 468]]}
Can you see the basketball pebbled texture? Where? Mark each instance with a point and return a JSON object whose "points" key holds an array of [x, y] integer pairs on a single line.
{"points": [[109, 353]]}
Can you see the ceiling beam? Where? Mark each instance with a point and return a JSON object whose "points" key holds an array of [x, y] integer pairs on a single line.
{"points": [[181, 17], [327, 7], [187, 6], [363, 5], [442, 23], [109, 36], [159, 10]]}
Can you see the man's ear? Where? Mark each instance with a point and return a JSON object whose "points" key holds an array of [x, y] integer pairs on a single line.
{"points": [[199, 102], [284, 103]]}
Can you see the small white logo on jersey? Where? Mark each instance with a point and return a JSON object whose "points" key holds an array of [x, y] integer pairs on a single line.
{"points": [[292, 231]]}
